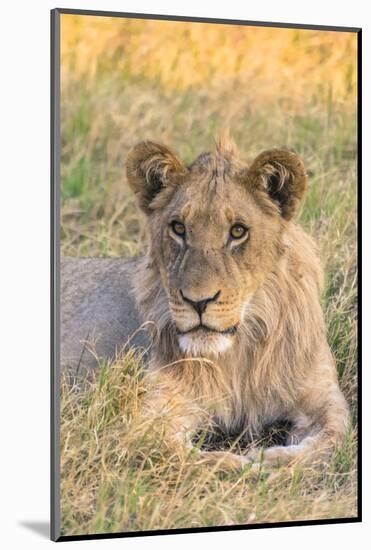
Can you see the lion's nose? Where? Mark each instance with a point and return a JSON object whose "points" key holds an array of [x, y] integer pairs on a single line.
{"points": [[200, 305]]}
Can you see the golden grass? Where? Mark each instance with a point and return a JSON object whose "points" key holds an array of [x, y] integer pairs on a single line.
{"points": [[183, 54], [180, 83], [119, 476]]}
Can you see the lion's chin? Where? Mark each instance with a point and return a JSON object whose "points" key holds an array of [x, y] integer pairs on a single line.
{"points": [[205, 345]]}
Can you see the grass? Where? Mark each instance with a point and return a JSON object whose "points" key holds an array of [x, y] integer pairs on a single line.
{"points": [[116, 473]]}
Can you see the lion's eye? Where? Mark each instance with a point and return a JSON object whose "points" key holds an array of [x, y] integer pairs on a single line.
{"points": [[238, 231], [178, 228]]}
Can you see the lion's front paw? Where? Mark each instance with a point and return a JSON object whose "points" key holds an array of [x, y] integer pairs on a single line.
{"points": [[225, 460], [273, 456], [254, 455]]}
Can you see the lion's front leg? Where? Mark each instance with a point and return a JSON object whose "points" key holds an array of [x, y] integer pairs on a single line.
{"points": [[317, 429], [175, 417], [170, 414], [284, 454]]}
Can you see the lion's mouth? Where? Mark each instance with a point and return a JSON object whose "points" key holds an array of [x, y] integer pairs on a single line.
{"points": [[204, 329]]}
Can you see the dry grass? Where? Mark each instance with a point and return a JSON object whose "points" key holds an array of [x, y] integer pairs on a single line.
{"points": [[180, 55], [118, 474], [273, 88]]}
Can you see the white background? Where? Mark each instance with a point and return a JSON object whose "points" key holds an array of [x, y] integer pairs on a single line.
{"points": [[24, 270]]}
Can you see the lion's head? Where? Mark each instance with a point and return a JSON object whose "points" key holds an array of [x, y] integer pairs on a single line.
{"points": [[216, 229]]}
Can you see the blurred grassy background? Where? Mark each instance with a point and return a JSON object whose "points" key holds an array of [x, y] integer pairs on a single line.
{"points": [[180, 83], [125, 80]]}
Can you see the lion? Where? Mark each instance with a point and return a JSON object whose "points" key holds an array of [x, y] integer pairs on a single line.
{"points": [[233, 285]]}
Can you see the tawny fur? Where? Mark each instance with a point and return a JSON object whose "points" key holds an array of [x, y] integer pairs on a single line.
{"points": [[277, 364]]}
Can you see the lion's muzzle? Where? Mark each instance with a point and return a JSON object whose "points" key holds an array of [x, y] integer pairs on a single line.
{"points": [[202, 325]]}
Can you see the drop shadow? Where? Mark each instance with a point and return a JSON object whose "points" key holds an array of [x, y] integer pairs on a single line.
{"points": [[42, 528]]}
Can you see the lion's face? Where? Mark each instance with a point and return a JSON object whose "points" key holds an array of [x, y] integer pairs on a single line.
{"points": [[214, 246], [215, 234]]}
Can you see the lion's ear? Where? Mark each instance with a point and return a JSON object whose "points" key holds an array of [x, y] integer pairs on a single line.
{"points": [[151, 168], [283, 176]]}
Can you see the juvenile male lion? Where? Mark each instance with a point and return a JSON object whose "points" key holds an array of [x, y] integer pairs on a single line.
{"points": [[229, 278]]}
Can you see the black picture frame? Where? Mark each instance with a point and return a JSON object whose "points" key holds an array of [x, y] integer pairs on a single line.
{"points": [[55, 148]]}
